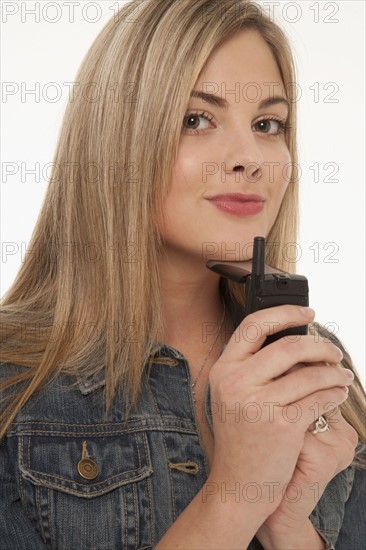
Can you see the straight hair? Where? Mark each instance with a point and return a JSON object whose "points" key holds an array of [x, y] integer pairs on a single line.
{"points": [[87, 296]]}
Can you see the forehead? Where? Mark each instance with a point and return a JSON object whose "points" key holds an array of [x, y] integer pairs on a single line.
{"points": [[243, 58]]}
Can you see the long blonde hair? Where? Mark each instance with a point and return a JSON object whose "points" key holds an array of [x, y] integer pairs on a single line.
{"points": [[87, 296]]}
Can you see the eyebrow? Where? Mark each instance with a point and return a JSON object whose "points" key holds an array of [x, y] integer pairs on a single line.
{"points": [[224, 104]]}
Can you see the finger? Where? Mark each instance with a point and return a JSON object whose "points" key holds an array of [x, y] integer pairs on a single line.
{"points": [[305, 350], [307, 380], [250, 335], [279, 357], [339, 425], [341, 439], [318, 404]]}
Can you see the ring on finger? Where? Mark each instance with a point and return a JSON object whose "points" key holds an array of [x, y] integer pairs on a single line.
{"points": [[321, 425]]}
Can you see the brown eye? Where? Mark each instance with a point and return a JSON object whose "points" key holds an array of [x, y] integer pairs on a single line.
{"points": [[191, 122], [270, 126], [264, 125]]}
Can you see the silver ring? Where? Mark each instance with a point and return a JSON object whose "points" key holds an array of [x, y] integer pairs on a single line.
{"points": [[321, 425]]}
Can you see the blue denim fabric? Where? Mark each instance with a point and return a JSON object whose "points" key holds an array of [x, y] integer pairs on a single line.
{"points": [[141, 487]]}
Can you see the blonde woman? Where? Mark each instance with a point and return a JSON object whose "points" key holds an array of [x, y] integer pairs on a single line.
{"points": [[139, 408]]}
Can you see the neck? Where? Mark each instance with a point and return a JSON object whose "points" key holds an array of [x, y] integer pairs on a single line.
{"points": [[192, 304]]}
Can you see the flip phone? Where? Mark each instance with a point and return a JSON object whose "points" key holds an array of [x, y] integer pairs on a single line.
{"points": [[266, 286]]}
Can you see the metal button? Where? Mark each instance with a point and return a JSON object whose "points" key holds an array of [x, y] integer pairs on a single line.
{"points": [[87, 468]]}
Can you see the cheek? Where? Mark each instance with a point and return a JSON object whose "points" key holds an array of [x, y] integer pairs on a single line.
{"points": [[278, 180], [184, 185], [188, 172], [287, 171], [279, 175]]}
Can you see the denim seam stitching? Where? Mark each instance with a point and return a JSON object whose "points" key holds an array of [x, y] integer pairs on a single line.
{"points": [[138, 450], [151, 508], [63, 433], [148, 460], [20, 480], [171, 478], [91, 495], [39, 512], [27, 468], [136, 512], [105, 424], [166, 455], [50, 516], [43, 475], [125, 513]]}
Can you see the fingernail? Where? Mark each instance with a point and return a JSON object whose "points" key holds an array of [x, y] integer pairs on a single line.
{"points": [[307, 311]]}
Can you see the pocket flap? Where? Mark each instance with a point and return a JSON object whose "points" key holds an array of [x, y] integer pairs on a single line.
{"points": [[87, 465]]}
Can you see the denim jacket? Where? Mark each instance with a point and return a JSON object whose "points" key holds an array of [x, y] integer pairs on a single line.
{"points": [[73, 478]]}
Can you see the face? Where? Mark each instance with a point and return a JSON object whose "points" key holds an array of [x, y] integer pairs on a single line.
{"points": [[233, 165]]}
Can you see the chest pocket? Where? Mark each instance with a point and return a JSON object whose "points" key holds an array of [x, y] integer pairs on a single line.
{"points": [[88, 491]]}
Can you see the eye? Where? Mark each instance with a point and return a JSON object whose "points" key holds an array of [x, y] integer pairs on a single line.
{"points": [[271, 126], [191, 122]]}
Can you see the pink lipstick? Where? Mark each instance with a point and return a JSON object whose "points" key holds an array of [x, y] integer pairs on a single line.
{"points": [[238, 204]]}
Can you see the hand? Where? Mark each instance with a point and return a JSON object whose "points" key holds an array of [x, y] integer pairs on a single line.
{"points": [[256, 446], [322, 457]]}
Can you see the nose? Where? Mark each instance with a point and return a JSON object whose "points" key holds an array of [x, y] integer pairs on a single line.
{"points": [[243, 155]]}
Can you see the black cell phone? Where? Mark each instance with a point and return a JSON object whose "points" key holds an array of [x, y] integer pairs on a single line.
{"points": [[266, 286]]}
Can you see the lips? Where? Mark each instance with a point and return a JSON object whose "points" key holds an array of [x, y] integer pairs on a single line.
{"points": [[239, 204]]}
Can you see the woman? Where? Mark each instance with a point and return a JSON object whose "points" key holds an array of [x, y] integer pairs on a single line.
{"points": [[140, 409]]}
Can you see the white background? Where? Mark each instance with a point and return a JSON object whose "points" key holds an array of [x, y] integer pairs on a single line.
{"points": [[328, 40]]}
